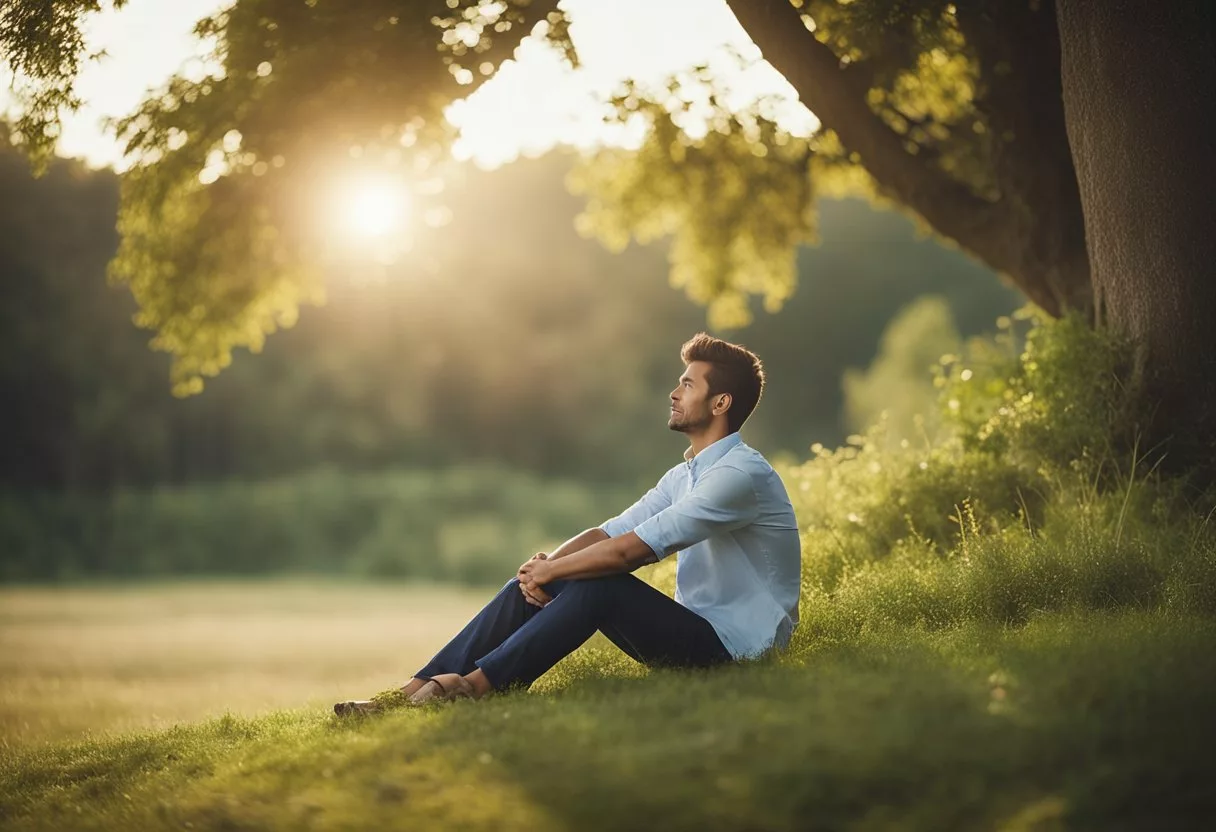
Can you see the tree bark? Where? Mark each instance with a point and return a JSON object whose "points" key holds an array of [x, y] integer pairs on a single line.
{"points": [[1139, 81], [1017, 46], [1032, 233]]}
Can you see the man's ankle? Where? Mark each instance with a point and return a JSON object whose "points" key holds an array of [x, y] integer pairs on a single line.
{"points": [[481, 685], [411, 687]]}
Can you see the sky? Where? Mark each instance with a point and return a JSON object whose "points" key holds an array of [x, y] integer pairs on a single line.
{"points": [[532, 104]]}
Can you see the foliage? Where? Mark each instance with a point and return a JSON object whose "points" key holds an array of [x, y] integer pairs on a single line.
{"points": [[920, 75], [214, 245], [896, 388], [1032, 500], [43, 45], [220, 247], [735, 195], [926, 79], [454, 356], [464, 525]]}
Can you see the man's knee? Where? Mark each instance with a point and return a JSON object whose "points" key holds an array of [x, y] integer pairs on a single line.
{"points": [[552, 589], [607, 587]]}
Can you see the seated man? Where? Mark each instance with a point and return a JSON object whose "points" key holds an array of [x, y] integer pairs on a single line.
{"points": [[737, 581]]}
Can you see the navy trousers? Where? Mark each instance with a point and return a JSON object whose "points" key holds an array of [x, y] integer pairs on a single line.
{"points": [[514, 642]]}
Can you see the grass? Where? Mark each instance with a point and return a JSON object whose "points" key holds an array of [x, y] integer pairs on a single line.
{"points": [[1009, 627], [105, 659], [1098, 720]]}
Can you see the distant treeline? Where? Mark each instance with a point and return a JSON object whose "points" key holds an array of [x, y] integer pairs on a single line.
{"points": [[522, 344], [467, 525]]}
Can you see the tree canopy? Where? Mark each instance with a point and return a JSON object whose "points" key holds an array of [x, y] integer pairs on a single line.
{"points": [[220, 248], [953, 111], [502, 351]]}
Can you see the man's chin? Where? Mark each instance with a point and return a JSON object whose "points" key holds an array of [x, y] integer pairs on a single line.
{"points": [[679, 427]]}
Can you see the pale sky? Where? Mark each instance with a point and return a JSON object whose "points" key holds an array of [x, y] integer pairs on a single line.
{"points": [[533, 103]]}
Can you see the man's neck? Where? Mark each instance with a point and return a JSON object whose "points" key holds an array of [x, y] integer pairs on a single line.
{"points": [[700, 441]]}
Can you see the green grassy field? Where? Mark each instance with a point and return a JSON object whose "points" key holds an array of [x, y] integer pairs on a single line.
{"points": [[86, 660], [1087, 720]]}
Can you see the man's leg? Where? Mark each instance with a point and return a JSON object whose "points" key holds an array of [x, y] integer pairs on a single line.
{"points": [[502, 616], [639, 619], [506, 613]]}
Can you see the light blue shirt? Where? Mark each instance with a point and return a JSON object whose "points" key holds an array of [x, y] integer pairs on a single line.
{"points": [[740, 568]]}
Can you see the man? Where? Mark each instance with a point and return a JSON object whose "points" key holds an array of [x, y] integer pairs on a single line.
{"points": [[737, 579]]}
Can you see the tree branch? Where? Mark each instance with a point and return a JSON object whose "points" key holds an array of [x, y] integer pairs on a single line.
{"points": [[836, 94]]}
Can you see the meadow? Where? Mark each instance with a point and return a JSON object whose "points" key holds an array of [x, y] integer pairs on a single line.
{"points": [[81, 661], [111, 697], [1007, 624]]}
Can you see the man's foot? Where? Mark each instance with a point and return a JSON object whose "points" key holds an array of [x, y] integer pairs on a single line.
{"points": [[356, 707], [381, 702], [444, 688], [411, 687]]}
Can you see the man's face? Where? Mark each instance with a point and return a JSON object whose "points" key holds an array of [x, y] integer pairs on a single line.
{"points": [[690, 402]]}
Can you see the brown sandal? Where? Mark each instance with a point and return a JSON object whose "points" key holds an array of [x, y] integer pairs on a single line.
{"points": [[443, 688], [381, 702], [357, 707]]}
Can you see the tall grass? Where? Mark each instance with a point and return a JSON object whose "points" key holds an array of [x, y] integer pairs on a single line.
{"points": [[1035, 496]]}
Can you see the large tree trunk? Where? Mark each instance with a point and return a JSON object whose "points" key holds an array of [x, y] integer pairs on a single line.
{"points": [[1017, 47], [1140, 102]]}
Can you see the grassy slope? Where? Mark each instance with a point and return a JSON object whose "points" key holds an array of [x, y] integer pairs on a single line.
{"points": [[1085, 720]]}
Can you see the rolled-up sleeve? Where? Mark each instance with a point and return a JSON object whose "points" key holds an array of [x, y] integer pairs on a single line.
{"points": [[723, 500], [651, 503]]}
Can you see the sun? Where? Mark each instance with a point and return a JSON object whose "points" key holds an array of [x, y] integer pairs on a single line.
{"points": [[374, 208]]}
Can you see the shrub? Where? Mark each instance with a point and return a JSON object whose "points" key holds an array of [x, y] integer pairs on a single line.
{"points": [[470, 524], [1033, 496]]}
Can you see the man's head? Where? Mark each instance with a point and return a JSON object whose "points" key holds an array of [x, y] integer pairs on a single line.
{"points": [[721, 380]]}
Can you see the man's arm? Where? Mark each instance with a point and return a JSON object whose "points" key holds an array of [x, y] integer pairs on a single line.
{"points": [[624, 553], [723, 500], [579, 542], [650, 504]]}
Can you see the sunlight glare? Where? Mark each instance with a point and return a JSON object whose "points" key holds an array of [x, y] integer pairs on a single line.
{"points": [[374, 208]]}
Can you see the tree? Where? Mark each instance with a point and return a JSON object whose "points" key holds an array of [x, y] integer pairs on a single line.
{"points": [[43, 44], [218, 242], [974, 115], [1141, 107], [1116, 96]]}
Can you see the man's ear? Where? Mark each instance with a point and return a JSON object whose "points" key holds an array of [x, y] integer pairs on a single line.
{"points": [[723, 404]]}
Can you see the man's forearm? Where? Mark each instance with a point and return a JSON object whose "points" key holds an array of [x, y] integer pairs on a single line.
{"points": [[579, 542], [609, 556]]}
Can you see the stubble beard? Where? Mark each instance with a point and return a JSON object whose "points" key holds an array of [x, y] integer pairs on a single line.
{"points": [[681, 423]]}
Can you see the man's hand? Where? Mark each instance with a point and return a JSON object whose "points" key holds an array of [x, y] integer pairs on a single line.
{"points": [[533, 594], [532, 576]]}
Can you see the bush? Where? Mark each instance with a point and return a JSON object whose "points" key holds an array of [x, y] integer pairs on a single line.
{"points": [[1033, 496], [466, 524]]}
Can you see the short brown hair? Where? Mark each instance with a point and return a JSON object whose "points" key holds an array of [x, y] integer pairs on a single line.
{"points": [[733, 369]]}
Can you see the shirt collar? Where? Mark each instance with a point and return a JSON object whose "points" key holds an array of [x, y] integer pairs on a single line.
{"points": [[712, 452]]}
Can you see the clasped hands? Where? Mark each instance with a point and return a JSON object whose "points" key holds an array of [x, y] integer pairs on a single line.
{"points": [[534, 574]]}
